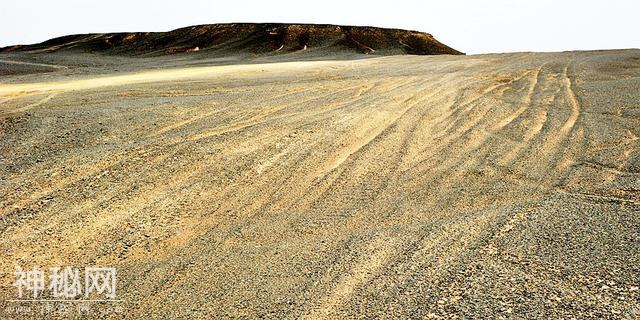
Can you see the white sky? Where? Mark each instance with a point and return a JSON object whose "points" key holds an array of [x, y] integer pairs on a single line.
{"points": [[469, 26]]}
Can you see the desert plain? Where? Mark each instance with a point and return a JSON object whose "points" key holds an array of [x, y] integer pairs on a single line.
{"points": [[346, 186]]}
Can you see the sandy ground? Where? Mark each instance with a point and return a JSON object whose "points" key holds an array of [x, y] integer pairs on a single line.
{"points": [[493, 186]]}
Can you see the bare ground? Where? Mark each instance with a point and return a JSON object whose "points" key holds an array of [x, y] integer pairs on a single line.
{"points": [[405, 186]]}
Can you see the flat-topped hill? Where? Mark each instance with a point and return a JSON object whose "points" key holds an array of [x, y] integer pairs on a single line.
{"points": [[262, 38]]}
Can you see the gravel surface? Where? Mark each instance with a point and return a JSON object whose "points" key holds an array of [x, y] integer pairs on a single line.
{"points": [[490, 186]]}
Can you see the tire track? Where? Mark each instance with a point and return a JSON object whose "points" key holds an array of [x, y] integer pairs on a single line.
{"points": [[31, 106], [524, 104], [573, 102]]}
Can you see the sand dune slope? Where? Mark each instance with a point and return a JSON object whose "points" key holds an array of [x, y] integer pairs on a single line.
{"points": [[404, 186]]}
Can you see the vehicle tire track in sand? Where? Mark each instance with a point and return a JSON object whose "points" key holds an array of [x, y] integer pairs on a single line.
{"points": [[468, 118], [553, 148], [545, 140], [401, 224], [80, 173], [524, 104], [474, 139], [103, 218], [461, 107], [264, 117], [183, 123], [31, 106], [375, 126], [279, 199], [537, 119], [429, 249], [375, 256], [446, 89], [198, 117], [573, 101], [55, 66]]}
